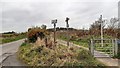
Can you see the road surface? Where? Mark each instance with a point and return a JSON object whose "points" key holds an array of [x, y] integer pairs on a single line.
{"points": [[8, 53]]}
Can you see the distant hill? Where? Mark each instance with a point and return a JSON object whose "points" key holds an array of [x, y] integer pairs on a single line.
{"points": [[12, 32]]}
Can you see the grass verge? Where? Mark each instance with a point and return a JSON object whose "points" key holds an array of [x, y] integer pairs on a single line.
{"points": [[11, 39], [59, 56]]}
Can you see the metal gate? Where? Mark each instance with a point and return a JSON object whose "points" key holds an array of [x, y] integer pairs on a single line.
{"points": [[109, 48]]}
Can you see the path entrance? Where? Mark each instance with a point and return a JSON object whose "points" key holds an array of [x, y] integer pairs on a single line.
{"points": [[109, 48]]}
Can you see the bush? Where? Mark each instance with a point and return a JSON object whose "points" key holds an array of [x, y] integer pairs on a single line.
{"points": [[36, 32]]}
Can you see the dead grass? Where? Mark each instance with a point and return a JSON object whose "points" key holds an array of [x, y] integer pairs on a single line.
{"points": [[58, 56]]}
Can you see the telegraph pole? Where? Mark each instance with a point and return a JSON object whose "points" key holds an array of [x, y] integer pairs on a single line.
{"points": [[101, 23], [67, 25], [54, 23]]}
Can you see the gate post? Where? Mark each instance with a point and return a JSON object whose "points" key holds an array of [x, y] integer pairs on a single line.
{"points": [[89, 45], [113, 48], [116, 47], [92, 47]]}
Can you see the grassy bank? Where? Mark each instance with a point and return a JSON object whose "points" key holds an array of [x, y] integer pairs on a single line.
{"points": [[11, 39], [78, 41], [85, 43], [59, 56]]}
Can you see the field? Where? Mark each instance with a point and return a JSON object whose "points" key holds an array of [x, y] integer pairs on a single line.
{"points": [[6, 38]]}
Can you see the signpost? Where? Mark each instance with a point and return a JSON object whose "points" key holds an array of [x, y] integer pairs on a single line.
{"points": [[101, 24], [67, 25], [54, 22]]}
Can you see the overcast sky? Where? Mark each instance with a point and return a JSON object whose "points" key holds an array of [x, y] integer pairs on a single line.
{"points": [[19, 15]]}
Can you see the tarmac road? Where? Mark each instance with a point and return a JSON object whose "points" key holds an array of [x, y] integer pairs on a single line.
{"points": [[8, 53]]}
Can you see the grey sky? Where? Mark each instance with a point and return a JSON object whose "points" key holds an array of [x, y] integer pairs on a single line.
{"points": [[18, 15]]}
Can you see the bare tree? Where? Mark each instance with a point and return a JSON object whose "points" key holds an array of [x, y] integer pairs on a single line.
{"points": [[95, 27], [113, 23], [113, 27]]}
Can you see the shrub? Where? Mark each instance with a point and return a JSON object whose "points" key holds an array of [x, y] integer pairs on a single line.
{"points": [[36, 32]]}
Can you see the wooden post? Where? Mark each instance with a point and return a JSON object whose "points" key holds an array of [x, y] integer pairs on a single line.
{"points": [[101, 22], [54, 33], [92, 47], [113, 48], [54, 23], [89, 44], [67, 25]]}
